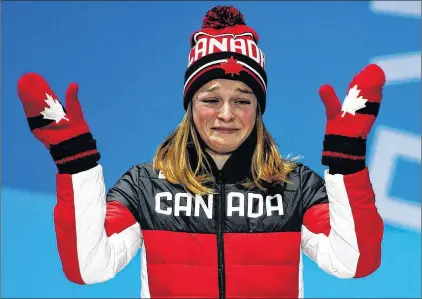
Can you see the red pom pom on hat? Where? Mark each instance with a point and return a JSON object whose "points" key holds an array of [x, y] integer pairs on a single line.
{"points": [[223, 16], [225, 48]]}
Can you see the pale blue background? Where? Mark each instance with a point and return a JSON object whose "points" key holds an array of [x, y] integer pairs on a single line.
{"points": [[129, 59]]}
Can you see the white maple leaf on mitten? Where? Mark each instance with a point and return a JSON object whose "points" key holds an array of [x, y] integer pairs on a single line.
{"points": [[353, 101], [54, 111]]}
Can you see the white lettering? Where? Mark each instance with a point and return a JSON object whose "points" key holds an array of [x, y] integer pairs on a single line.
{"points": [[262, 62], [238, 44], [253, 51], [276, 208], [237, 204], [199, 202], [201, 49], [158, 198], [240, 208], [260, 204], [214, 43], [208, 45], [178, 207], [190, 59]]}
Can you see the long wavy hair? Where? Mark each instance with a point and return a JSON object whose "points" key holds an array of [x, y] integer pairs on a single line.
{"points": [[172, 159]]}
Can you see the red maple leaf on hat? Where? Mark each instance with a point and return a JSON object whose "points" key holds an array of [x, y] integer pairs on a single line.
{"points": [[231, 67]]}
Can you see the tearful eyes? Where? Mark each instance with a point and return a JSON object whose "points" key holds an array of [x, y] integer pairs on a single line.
{"points": [[210, 101], [243, 102], [239, 101]]}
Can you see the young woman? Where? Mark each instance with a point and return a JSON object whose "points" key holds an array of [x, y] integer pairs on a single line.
{"points": [[218, 213]]}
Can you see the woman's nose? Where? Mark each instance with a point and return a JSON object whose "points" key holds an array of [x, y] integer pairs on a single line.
{"points": [[225, 112]]}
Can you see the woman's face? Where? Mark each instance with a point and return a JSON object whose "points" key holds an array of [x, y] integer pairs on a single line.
{"points": [[224, 113]]}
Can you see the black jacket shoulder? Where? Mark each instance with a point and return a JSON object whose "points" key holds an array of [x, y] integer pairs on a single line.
{"points": [[311, 185], [132, 185]]}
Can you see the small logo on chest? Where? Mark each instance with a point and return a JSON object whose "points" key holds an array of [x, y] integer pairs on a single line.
{"points": [[251, 205]]}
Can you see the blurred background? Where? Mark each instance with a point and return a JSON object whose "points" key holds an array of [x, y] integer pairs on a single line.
{"points": [[129, 59]]}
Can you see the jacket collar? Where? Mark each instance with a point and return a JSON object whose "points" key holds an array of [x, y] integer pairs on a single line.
{"points": [[237, 168]]}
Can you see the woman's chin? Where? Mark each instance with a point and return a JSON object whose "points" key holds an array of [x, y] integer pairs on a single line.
{"points": [[223, 148]]}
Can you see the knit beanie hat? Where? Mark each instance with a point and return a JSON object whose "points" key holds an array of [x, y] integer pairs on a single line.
{"points": [[225, 48]]}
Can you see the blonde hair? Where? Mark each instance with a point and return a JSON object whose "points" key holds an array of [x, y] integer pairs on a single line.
{"points": [[172, 159]]}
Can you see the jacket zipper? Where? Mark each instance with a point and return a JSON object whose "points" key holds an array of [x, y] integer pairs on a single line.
{"points": [[220, 239]]}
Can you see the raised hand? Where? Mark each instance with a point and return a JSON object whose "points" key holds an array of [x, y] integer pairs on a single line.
{"points": [[63, 131], [349, 124]]}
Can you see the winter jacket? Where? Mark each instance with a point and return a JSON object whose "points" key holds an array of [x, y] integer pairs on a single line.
{"points": [[237, 243]]}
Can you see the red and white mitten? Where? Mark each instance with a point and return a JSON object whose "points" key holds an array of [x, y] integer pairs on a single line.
{"points": [[348, 125], [63, 131]]}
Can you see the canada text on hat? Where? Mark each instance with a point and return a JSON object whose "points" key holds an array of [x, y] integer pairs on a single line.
{"points": [[225, 48], [242, 42]]}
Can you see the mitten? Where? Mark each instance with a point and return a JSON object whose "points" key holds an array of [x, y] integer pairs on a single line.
{"points": [[348, 125], [63, 131]]}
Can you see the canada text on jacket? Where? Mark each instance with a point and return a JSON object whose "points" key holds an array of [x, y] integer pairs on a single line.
{"points": [[252, 205]]}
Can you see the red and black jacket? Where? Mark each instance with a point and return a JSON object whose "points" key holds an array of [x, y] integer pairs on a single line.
{"points": [[237, 243]]}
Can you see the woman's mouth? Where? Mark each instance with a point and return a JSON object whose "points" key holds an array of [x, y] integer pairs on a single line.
{"points": [[225, 130]]}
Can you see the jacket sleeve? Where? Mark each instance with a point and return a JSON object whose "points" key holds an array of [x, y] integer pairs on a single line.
{"points": [[97, 235], [342, 230]]}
